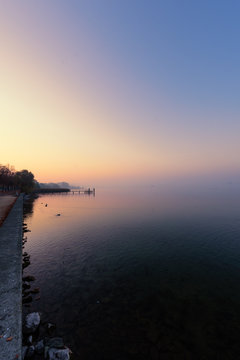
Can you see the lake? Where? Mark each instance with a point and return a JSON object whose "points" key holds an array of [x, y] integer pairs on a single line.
{"points": [[140, 273]]}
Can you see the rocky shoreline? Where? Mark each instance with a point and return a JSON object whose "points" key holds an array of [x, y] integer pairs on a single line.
{"points": [[39, 338]]}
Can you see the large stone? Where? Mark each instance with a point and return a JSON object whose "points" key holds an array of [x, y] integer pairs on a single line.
{"points": [[58, 354], [32, 322]]}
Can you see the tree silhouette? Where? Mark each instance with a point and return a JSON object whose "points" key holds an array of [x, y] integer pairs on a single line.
{"points": [[21, 180], [24, 179]]}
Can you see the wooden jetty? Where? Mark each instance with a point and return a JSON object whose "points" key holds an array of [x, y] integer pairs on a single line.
{"points": [[83, 191]]}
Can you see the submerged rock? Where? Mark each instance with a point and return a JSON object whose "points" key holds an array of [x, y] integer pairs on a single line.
{"points": [[28, 278], [30, 352], [25, 264], [27, 305], [56, 342], [27, 299], [58, 354], [26, 285], [32, 322], [29, 339], [39, 347], [50, 328], [35, 291]]}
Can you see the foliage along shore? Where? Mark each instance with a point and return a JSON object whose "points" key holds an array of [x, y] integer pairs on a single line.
{"points": [[24, 181]]}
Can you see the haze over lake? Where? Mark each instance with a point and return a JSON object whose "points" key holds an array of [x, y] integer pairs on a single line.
{"points": [[146, 273]]}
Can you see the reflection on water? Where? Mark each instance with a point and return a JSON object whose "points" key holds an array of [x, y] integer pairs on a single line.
{"points": [[144, 274]]}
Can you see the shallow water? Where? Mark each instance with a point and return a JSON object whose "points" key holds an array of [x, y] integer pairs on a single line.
{"points": [[140, 273]]}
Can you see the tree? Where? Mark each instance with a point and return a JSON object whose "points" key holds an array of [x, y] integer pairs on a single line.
{"points": [[24, 180], [21, 180], [6, 178]]}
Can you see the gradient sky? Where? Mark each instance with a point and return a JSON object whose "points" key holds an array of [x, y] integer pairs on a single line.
{"points": [[100, 91]]}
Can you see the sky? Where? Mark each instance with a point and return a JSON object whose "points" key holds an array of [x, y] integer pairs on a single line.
{"points": [[105, 91]]}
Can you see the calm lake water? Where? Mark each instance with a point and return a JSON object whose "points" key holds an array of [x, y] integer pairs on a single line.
{"points": [[142, 273]]}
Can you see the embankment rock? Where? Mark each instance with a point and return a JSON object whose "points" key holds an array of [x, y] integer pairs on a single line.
{"points": [[32, 322]]}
